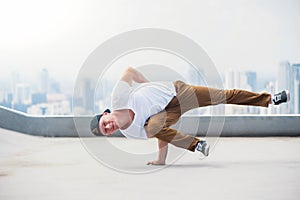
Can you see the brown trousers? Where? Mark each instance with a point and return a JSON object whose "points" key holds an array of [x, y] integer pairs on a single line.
{"points": [[189, 97]]}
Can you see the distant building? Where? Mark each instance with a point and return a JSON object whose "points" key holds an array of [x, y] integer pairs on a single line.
{"points": [[8, 100], [20, 107], [15, 79], [9, 97], [53, 108], [286, 81], [37, 98], [296, 98], [195, 76], [251, 80], [22, 95], [88, 100], [44, 81], [232, 79], [241, 80], [54, 87], [83, 99]]}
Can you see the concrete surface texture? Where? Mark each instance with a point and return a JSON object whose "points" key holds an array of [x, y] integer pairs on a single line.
{"points": [[62, 168]]}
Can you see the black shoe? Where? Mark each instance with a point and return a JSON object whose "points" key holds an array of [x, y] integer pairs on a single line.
{"points": [[281, 97], [203, 147]]}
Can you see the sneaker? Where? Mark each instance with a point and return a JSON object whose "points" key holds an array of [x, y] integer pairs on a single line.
{"points": [[203, 147], [281, 97]]}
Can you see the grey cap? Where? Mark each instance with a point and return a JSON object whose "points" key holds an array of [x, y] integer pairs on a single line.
{"points": [[94, 125]]}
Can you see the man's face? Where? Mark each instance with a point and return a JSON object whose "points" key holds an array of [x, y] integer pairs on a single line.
{"points": [[107, 124]]}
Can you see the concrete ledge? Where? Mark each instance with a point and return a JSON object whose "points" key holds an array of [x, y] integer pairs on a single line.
{"points": [[230, 126], [245, 125]]}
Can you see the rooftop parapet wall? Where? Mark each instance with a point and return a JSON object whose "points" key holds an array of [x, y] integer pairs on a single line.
{"points": [[234, 125]]}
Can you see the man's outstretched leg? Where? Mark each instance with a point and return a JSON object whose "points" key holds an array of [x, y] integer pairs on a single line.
{"points": [[190, 97]]}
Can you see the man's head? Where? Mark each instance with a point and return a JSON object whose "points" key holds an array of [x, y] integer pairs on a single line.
{"points": [[104, 124]]}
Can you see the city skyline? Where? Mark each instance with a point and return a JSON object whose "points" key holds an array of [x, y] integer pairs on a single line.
{"points": [[44, 95]]}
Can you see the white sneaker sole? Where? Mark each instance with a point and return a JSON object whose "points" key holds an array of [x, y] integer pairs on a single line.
{"points": [[206, 150], [288, 95]]}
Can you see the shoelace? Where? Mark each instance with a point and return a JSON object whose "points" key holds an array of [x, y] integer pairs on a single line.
{"points": [[277, 98], [199, 146]]}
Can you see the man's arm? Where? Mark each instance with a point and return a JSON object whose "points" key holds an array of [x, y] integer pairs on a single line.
{"points": [[162, 153], [132, 74]]}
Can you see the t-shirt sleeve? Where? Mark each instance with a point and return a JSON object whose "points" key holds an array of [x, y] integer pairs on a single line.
{"points": [[120, 95]]}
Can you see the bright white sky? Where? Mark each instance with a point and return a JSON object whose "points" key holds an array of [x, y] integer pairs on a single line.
{"points": [[60, 34]]}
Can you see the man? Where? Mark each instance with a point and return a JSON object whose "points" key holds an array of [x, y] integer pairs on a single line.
{"points": [[143, 109]]}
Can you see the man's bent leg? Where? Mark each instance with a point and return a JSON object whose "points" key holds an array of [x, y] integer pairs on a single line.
{"points": [[178, 139], [158, 126]]}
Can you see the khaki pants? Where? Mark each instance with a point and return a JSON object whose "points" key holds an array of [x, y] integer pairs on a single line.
{"points": [[189, 97]]}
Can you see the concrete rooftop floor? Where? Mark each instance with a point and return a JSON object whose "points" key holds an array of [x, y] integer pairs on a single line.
{"points": [[62, 168]]}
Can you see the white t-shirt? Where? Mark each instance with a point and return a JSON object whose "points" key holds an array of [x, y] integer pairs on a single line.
{"points": [[145, 100]]}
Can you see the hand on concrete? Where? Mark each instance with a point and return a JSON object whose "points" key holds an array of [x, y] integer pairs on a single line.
{"points": [[156, 162]]}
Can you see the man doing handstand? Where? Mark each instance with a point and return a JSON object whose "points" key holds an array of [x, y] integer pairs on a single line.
{"points": [[143, 109]]}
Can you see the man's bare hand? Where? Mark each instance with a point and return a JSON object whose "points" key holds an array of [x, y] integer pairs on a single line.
{"points": [[156, 162], [162, 153]]}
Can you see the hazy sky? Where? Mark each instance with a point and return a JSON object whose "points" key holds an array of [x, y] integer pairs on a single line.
{"points": [[59, 35]]}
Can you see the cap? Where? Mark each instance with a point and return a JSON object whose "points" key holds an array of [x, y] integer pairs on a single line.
{"points": [[94, 125]]}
